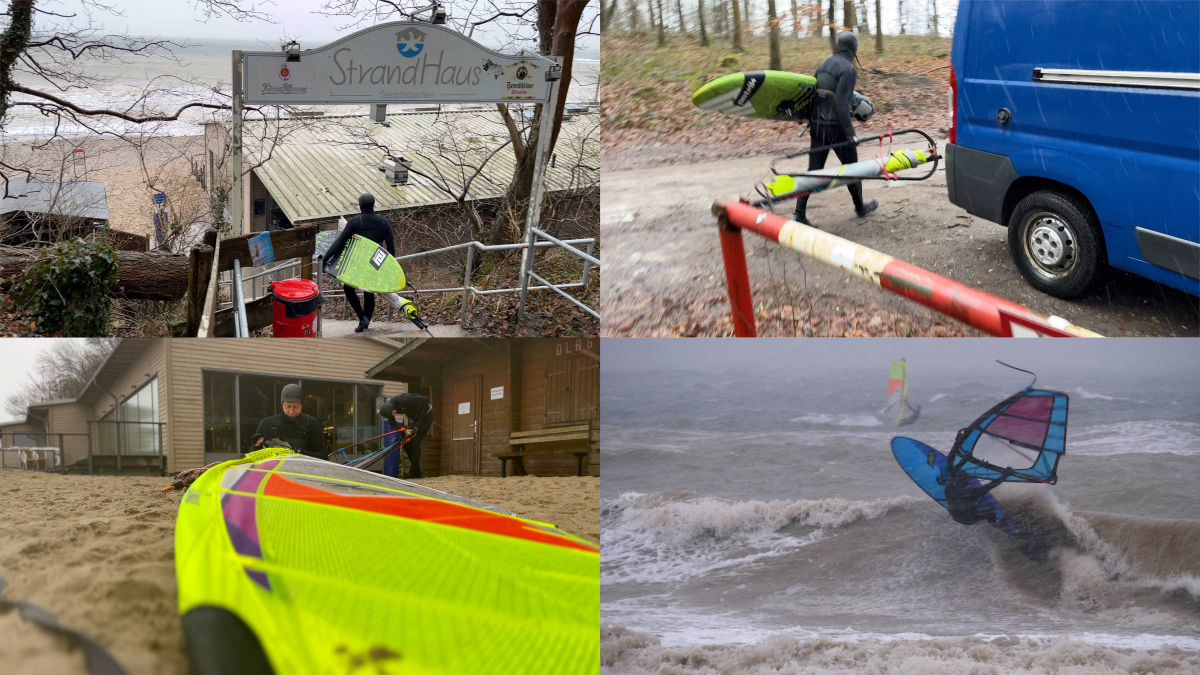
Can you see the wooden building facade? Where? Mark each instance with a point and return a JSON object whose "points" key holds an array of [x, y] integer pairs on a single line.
{"points": [[485, 390]]}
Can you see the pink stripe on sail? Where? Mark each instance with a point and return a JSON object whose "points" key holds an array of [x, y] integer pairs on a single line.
{"points": [[1037, 407], [1025, 431]]}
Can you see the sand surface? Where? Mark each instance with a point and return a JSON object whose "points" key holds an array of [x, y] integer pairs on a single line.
{"points": [[131, 175], [97, 552]]}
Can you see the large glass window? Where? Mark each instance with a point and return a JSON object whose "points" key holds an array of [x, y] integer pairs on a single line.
{"points": [[235, 403], [138, 427]]}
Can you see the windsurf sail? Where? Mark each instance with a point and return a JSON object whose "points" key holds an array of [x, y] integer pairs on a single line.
{"points": [[1026, 431], [898, 394], [317, 567]]}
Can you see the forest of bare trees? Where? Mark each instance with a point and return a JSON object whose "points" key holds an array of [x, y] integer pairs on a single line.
{"points": [[732, 20]]}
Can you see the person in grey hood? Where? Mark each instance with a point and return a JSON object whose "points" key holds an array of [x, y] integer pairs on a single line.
{"points": [[378, 230], [831, 122]]}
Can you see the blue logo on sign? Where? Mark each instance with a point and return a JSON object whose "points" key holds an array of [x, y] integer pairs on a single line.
{"points": [[410, 42]]}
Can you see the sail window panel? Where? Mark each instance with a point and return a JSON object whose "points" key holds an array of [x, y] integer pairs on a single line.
{"points": [[1017, 429], [1001, 454]]}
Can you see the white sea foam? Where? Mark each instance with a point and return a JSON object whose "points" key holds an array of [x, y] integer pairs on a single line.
{"points": [[671, 536], [1149, 436], [840, 420]]}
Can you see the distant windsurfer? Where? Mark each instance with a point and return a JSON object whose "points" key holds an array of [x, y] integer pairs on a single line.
{"points": [[419, 410], [300, 431], [378, 230]]}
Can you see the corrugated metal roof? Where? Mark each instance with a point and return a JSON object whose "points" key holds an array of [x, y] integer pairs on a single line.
{"points": [[83, 199], [321, 166]]}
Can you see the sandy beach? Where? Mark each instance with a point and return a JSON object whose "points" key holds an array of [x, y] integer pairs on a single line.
{"points": [[97, 552], [130, 175]]}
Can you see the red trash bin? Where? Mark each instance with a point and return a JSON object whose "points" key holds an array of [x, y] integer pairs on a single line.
{"points": [[297, 303]]}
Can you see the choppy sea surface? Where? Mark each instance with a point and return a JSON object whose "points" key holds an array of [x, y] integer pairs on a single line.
{"points": [[199, 70], [757, 522]]}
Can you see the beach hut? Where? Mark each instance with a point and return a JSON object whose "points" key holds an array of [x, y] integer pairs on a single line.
{"points": [[519, 403]]}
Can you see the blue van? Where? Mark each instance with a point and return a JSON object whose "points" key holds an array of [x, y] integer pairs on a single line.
{"points": [[1076, 123]]}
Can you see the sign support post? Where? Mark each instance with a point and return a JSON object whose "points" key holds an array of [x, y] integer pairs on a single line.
{"points": [[533, 214], [237, 208]]}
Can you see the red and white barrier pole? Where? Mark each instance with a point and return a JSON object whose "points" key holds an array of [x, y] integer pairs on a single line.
{"points": [[988, 313]]}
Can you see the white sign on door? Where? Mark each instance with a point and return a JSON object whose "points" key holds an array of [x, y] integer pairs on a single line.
{"points": [[398, 62], [464, 408], [497, 392]]}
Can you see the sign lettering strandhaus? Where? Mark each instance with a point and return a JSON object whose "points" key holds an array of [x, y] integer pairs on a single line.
{"points": [[398, 62]]}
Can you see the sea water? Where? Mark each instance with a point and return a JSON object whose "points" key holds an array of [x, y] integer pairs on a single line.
{"points": [[755, 520], [195, 70]]}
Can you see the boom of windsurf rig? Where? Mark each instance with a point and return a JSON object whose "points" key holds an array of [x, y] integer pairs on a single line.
{"points": [[780, 186]]}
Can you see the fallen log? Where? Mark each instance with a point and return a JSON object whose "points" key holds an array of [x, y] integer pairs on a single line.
{"points": [[142, 275]]}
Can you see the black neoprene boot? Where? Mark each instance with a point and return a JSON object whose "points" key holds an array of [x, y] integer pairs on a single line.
{"points": [[867, 208], [363, 322], [801, 215]]}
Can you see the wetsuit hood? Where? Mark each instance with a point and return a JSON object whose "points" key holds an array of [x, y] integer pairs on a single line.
{"points": [[847, 41], [292, 392], [366, 203]]}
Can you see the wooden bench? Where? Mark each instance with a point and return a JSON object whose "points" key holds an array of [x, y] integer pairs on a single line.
{"points": [[520, 439]]}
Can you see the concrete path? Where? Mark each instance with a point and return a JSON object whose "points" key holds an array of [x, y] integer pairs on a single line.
{"points": [[345, 328]]}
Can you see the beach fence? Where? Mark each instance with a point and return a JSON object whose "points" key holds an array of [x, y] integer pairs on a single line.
{"points": [[36, 451], [986, 312]]}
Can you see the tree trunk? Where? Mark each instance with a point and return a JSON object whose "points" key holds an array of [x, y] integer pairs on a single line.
{"points": [[662, 30], [864, 25], [13, 42], [900, 14], [682, 25], [933, 16], [776, 60], [633, 16], [795, 20], [746, 15], [737, 28], [849, 15], [832, 27], [879, 26], [703, 33], [558, 23], [141, 275]]}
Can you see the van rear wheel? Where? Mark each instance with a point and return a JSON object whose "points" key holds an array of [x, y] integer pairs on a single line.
{"points": [[1054, 239]]}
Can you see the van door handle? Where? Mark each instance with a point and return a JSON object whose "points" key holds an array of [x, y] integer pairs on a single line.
{"points": [[1004, 116]]}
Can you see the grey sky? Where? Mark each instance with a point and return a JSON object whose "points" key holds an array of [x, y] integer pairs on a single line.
{"points": [[19, 356], [292, 18], [1142, 356]]}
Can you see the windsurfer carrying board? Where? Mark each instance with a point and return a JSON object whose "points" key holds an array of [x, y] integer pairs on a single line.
{"points": [[832, 122], [378, 230]]}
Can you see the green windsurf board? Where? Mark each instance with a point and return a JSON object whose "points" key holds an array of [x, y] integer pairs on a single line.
{"points": [[760, 94], [363, 264]]}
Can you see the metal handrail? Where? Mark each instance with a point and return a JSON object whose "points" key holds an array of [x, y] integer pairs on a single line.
{"points": [[467, 289], [527, 269]]}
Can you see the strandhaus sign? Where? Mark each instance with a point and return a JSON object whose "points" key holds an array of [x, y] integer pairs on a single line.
{"points": [[400, 62]]}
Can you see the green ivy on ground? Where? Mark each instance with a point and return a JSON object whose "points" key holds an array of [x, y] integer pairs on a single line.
{"points": [[68, 288]]}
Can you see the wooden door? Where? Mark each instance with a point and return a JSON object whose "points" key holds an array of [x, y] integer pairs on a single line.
{"points": [[465, 435], [585, 389]]}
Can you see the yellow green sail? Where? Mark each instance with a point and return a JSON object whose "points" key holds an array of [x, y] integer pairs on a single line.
{"points": [[338, 570], [898, 384]]}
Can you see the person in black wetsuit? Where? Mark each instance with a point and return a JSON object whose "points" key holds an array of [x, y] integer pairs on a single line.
{"points": [[301, 432], [962, 500], [378, 230], [831, 120], [419, 411]]}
